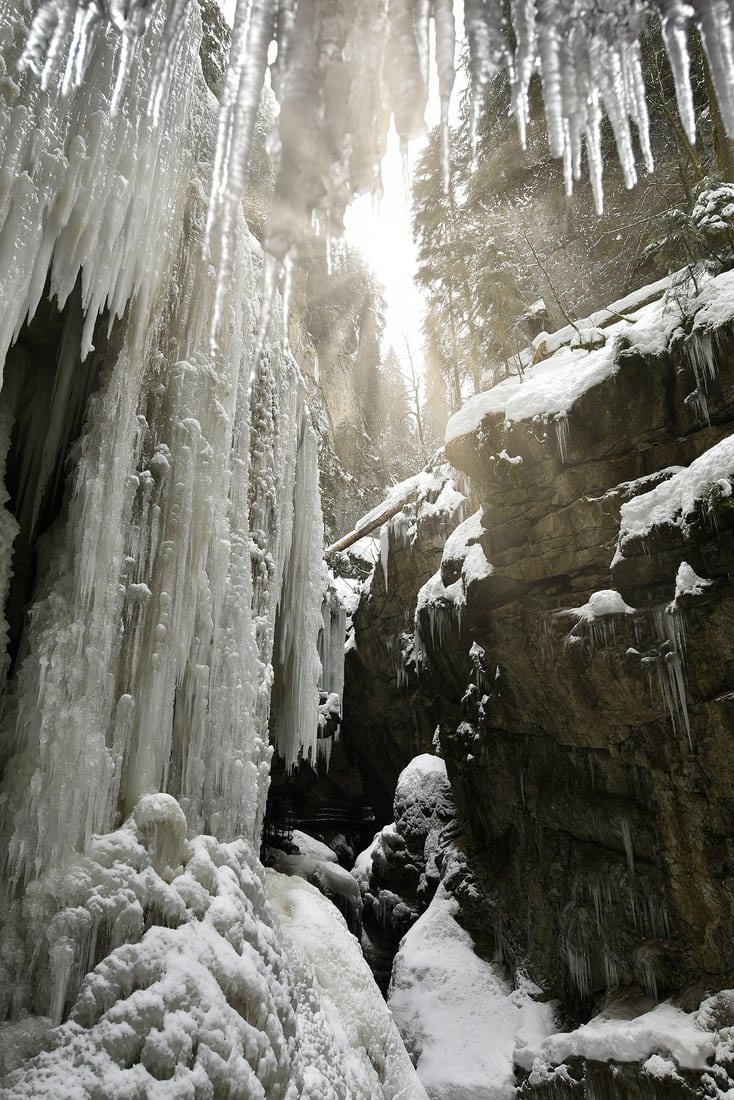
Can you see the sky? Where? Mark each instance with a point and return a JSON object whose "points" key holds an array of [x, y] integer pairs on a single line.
{"points": [[381, 229]]}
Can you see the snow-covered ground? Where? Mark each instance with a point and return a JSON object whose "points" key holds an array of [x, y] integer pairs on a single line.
{"points": [[461, 1019]]}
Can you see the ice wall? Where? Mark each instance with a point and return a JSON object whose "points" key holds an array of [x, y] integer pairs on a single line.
{"points": [[191, 516]]}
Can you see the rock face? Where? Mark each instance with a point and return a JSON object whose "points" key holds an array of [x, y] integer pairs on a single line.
{"points": [[576, 649], [385, 722], [398, 874], [592, 755]]}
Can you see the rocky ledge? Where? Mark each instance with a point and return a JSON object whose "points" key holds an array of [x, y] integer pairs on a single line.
{"points": [[580, 637]]}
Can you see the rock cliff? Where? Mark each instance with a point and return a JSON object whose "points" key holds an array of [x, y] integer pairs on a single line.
{"points": [[575, 649]]}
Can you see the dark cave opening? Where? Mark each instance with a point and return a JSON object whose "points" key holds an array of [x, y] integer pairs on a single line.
{"points": [[46, 392]]}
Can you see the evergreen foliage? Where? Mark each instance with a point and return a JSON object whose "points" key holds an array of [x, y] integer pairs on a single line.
{"points": [[503, 252]]}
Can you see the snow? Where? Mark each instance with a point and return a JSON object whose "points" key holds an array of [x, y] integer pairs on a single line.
{"points": [[463, 544], [363, 863], [605, 602], [346, 1034], [310, 846], [456, 1012], [441, 605], [325, 874], [622, 1033], [548, 390], [688, 582], [199, 999], [672, 502], [202, 990]]}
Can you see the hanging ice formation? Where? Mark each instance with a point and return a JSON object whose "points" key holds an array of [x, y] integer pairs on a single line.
{"points": [[170, 499], [342, 68]]}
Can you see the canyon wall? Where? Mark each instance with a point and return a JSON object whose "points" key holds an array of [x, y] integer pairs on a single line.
{"points": [[575, 653]]}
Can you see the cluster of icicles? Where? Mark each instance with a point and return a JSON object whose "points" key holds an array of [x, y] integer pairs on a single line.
{"points": [[343, 67]]}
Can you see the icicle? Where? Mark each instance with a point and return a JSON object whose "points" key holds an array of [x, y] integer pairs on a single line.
{"points": [[523, 23], [57, 43], [479, 23], [443, 15], [423, 36], [560, 423], [253, 30], [176, 12], [670, 628], [549, 41], [288, 266], [675, 16], [124, 63], [715, 23], [385, 552], [285, 26], [86, 21], [407, 88], [271, 275], [637, 101], [627, 840], [40, 36]]}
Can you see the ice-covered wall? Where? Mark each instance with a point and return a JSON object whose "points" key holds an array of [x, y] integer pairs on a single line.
{"points": [[190, 523]]}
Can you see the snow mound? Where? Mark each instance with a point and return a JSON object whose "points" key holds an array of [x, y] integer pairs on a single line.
{"points": [[197, 991], [310, 846], [345, 1032], [459, 1017], [605, 602], [688, 582], [198, 1001]]}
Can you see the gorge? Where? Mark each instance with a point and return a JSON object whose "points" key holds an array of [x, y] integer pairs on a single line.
{"points": [[537, 700]]}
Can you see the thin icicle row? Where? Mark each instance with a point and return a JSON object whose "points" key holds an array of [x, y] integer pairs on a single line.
{"points": [[443, 14]]}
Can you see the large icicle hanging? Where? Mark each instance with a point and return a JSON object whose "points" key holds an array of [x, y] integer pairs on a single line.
{"points": [[296, 690], [340, 62], [146, 665]]}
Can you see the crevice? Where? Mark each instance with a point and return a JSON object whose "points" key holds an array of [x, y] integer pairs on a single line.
{"points": [[45, 397]]}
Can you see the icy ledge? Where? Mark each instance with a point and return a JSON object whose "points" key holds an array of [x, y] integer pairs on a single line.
{"points": [[673, 501]]}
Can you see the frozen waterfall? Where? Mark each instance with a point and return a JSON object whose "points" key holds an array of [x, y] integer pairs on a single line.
{"points": [[161, 568]]}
